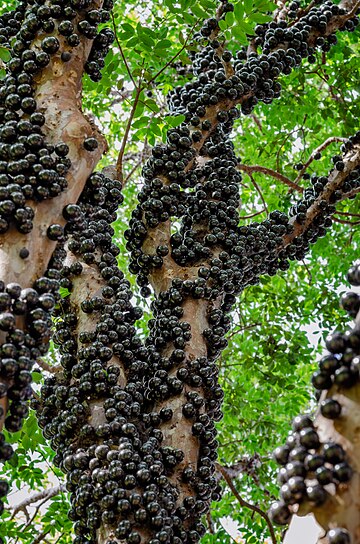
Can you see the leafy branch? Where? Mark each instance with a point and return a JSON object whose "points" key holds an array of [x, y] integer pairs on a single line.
{"points": [[122, 51], [223, 471], [43, 496], [119, 164]]}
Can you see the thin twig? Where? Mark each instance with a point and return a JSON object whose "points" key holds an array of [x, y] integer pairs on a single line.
{"points": [[132, 172], [304, 11], [257, 121], [351, 194], [252, 214], [240, 329], [47, 367], [119, 164], [248, 169], [121, 51], [143, 156], [344, 222], [175, 56], [45, 494], [41, 537], [246, 504], [308, 271], [348, 214], [210, 523], [260, 193], [321, 147], [354, 9]]}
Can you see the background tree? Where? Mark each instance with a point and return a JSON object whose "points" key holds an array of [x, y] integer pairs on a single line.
{"points": [[154, 42]]}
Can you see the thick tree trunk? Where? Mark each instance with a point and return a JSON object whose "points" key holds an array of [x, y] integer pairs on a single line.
{"points": [[58, 96]]}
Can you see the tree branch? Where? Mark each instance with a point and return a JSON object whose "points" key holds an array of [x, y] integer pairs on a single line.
{"points": [[321, 147], [189, 36], [122, 52], [347, 214], [46, 494], [260, 193], [248, 169], [119, 164], [255, 214], [58, 97], [336, 180], [246, 504], [171, 274], [345, 222]]}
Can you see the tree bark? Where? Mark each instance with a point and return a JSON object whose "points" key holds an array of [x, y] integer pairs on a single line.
{"points": [[58, 95], [342, 508]]}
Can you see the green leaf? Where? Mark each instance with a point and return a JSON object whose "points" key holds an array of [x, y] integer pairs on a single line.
{"points": [[163, 44], [239, 11], [199, 12], [246, 27], [64, 292], [127, 27], [239, 35], [36, 377], [4, 54], [248, 6], [229, 18], [175, 120], [260, 18]]}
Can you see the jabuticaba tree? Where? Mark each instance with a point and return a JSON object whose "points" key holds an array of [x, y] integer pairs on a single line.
{"points": [[132, 420], [320, 460]]}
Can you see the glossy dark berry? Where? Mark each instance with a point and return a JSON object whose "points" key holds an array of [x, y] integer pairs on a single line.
{"points": [[279, 513], [338, 536], [330, 408], [91, 144]]}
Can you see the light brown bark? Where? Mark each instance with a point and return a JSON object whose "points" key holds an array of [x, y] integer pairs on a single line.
{"points": [[342, 508], [58, 95]]}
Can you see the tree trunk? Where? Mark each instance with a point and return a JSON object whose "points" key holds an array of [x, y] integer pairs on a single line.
{"points": [[58, 96]]}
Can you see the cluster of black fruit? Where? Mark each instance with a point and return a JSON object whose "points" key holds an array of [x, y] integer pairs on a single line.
{"points": [[203, 195], [105, 412], [118, 472], [254, 76], [340, 366], [308, 465], [21, 347], [31, 168], [100, 49], [274, 34]]}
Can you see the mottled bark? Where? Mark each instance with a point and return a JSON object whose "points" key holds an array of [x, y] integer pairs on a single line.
{"points": [[58, 95], [342, 508]]}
